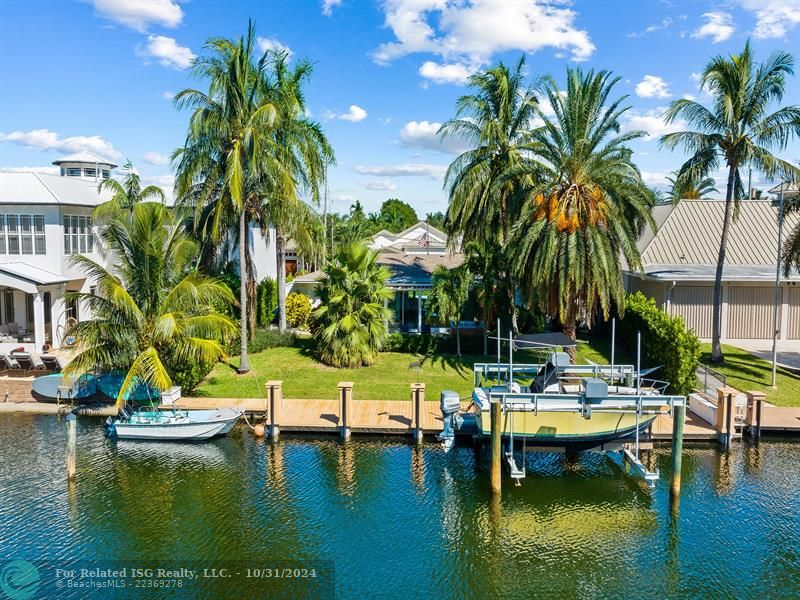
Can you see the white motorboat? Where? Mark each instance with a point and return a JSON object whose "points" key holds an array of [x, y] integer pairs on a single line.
{"points": [[172, 424]]}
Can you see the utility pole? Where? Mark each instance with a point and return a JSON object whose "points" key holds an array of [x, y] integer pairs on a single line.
{"points": [[777, 292]]}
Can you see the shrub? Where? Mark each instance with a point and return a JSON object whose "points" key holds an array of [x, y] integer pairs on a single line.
{"points": [[432, 344], [298, 310], [266, 302], [665, 341], [269, 338]]}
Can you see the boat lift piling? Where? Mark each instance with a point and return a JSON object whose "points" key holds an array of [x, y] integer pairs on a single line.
{"points": [[678, 417], [497, 434], [72, 443]]}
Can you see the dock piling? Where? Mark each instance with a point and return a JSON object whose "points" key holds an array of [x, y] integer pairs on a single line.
{"points": [[72, 443], [497, 449], [726, 405], [418, 401], [275, 390], [345, 408], [755, 405], [678, 417]]}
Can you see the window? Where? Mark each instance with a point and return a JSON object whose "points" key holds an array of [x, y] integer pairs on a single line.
{"points": [[78, 236], [2, 234], [71, 309], [90, 172], [22, 234], [39, 240], [9, 306], [26, 227], [106, 173], [73, 172], [12, 228]]}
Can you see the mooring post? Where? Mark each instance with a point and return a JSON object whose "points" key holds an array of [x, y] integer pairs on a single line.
{"points": [[724, 421], [496, 445], [345, 408], [72, 442], [275, 389], [418, 401], [678, 417], [755, 405]]}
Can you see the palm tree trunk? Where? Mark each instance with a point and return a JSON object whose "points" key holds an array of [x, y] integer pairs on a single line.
{"points": [[571, 331], [458, 340], [244, 360], [281, 256], [716, 329]]}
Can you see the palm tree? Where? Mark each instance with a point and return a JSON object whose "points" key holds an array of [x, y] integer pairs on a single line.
{"points": [[736, 131], [495, 119], [683, 186], [228, 148], [585, 206], [791, 247], [449, 294], [303, 151], [152, 308], [351, 320], [126, 195]]}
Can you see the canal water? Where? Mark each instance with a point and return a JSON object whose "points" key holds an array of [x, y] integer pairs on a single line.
{"points": [[382, 519]]}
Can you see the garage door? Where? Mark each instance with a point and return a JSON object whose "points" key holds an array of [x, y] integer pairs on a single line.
{"points": [[694, 304], [750, 311], [794, 313]]}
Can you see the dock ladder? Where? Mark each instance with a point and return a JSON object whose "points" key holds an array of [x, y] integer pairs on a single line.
{"points": [[516, 473]]}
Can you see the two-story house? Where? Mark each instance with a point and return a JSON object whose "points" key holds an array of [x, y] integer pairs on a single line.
{"points": [[44, 220]]}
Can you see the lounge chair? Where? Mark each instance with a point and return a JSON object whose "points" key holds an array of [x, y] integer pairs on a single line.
{"points": [[7, 363], [51, 363], [26, 362]]}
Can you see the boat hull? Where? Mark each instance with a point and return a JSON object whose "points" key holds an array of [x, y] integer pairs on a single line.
{"points": [[201, 425], [55, 387], [567, 429]]}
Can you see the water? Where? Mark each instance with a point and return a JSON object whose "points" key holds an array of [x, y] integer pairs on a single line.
{"points": [[390, 520]]}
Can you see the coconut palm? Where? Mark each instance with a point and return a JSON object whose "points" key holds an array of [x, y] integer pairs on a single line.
{"points": [[449, 294], [126, 194], [303, 151], [585, 205], [737, 131], [684, 186], [351, 321], [151, 307], [495, 121], [228, 148], [791, 247]]}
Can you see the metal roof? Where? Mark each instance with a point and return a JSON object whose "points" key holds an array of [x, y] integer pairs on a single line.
{"points": [[28, 187], [84, 157]]}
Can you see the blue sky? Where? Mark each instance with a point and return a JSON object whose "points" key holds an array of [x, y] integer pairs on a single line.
{"points": [[98, 74]]}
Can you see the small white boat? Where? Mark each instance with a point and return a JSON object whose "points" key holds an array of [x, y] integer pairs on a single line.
{"points": [[173, 424]]}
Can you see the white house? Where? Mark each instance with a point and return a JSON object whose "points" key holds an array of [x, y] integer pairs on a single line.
{"points": [[44, 220]]}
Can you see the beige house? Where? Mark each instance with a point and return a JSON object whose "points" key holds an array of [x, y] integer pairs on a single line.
{"points": [[679, 265]]}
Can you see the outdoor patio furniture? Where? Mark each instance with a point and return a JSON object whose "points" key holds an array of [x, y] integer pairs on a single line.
{"points": [[26, 362], [7, 363], [51, 363]]}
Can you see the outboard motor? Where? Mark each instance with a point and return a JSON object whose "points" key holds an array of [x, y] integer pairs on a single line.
{"points": [[450, 404]]}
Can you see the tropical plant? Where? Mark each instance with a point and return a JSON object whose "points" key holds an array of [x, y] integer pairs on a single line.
{"points": [[495, 121], [151, 308], [396, 215], [266, 302], [448, 296], [685, 186], [790, 254], [586, 203], [298, 310], [228, 149], [126, 194], [737, 131], [351, 320]]}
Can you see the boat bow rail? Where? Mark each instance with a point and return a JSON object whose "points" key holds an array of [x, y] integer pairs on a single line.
{"points": [[642, 403], [501, 371]]}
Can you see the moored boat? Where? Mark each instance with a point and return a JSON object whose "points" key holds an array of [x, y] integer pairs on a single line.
{"points": [[57, 387], [172, 424]]}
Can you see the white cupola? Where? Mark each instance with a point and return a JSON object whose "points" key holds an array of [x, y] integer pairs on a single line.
{"points": [[85, 165]]}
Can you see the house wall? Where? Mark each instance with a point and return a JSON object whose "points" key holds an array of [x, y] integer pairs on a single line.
{"points": [[694, 304], [793, 322]]}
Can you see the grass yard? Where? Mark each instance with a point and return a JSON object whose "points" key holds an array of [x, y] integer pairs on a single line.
{"points": [[305, 377], [747, 373]]}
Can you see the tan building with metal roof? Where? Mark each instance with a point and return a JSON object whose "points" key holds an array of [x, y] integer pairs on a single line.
{"points": [[679, 264]]}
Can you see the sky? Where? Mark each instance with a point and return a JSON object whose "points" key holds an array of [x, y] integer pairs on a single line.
{"points": [[99, 75]]}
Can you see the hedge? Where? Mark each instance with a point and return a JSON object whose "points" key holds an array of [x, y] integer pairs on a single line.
{"points": [[433, 344], [665, 341]]}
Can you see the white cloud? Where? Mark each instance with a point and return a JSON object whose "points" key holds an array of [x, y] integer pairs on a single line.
{"points": [[422, 134], [155, 158], [655, 179], [342, 197], [354, 114], [162, 181], [329, 5], [470, 33], [44, 139], [273, 44], [651, 122], [404, 170], [168, 95], [166, 51], [652, 87], [446, 73], [718, 26], [774, 18], [652, 28], [140, 14], [51, 170], [380, 185]]}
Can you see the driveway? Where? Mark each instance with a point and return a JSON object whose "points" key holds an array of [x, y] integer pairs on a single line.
{"points": [[788, 352]]}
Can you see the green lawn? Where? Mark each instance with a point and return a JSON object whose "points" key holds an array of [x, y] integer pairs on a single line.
{"points": [[304, 377], [747, 373]]}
